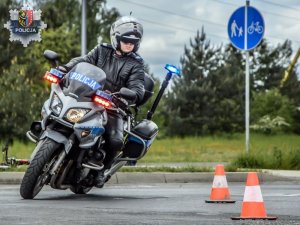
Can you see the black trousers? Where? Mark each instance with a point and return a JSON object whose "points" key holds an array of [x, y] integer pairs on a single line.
{"points": [[113, 137]]}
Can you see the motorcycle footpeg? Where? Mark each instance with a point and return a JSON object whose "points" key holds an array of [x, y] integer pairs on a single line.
{"points": [[32, 137]]}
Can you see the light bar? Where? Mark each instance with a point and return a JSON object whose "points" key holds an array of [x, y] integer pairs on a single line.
{"points": [[51, 78], [102, 101]]}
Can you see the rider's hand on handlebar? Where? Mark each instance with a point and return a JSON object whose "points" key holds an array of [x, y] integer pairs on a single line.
{"points": [[62, 69], [120, 102]]}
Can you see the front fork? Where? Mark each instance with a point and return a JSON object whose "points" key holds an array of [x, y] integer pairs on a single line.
{"points": [[63, 154]]}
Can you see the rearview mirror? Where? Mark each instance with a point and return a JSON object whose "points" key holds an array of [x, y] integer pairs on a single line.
{"points": [[51, 56]]}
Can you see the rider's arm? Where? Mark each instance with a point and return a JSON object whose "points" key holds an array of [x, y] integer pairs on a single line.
{"points": [[135, 81], [91, 57]]}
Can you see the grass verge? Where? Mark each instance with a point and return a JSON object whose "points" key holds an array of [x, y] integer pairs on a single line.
{"points": [[281, 151], [165, 169], [274, 159]]}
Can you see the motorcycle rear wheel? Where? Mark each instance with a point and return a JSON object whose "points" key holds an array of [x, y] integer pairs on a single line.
{"points": [[37, 173]]}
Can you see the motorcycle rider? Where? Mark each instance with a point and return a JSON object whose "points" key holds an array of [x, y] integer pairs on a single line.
{"points": [[123, 68]]}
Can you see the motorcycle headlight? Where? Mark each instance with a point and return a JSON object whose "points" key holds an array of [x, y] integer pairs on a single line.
{"points": [[75, 115], [56, 104]]}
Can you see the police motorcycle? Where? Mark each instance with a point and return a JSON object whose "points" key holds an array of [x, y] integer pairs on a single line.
{"points": [[69, 137]]}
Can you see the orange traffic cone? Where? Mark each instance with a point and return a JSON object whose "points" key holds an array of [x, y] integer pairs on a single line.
{"points": [[219, 191], [253, 205]]}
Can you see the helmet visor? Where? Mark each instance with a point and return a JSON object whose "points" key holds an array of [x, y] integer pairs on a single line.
{"points": [[129, 39]]}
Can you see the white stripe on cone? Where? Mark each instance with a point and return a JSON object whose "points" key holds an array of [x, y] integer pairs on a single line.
{"points": [[253, 194], [219, 182]]}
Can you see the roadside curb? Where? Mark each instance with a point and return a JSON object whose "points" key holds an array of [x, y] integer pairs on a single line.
{"points": [[168, 177], [182, 177]]}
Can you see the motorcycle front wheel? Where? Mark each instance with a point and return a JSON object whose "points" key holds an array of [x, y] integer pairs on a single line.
{"points": [[37, 173]]}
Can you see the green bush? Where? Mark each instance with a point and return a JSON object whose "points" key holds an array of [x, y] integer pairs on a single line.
{"points": [[248, 161], [274, 159], [271, 111], [268, 125], [294, 159]]}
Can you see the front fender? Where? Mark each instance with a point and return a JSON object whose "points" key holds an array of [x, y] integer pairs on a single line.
{"points": [[57, 137]]}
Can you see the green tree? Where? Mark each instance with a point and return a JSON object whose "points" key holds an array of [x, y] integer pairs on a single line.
{"points": [[22, 89], [8, 49], [68, 12], [230, 85], [273, 104], [191, 104], [210, 98], [19, 102], [269, 63]]}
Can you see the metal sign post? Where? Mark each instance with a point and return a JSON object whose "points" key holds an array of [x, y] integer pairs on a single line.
{"points": [[83, 27], [245, 30], [247, 85]]}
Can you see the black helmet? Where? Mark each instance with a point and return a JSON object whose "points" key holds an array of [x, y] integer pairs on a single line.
{"points": [[127, 29]]}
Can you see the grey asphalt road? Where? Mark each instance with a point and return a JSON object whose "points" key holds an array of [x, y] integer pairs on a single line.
{"points": [[151, 204]]}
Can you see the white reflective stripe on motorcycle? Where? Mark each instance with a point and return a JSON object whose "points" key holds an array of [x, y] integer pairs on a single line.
{"points": [[253, 194], [219, 182]]}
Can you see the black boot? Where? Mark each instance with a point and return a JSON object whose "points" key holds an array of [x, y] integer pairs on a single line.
{"points": [[100, 179]]}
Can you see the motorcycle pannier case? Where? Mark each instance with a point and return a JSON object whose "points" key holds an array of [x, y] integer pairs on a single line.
{"points": [[146, 130]]}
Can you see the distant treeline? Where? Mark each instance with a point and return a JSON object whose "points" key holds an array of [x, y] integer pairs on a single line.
{"points": [[208, 98]]}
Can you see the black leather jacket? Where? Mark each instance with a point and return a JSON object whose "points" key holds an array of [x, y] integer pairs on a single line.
{"points": [[121, 71]]}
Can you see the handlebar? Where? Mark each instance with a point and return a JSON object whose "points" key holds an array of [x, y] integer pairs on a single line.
{"points": [[121, 105], [117, 102]]}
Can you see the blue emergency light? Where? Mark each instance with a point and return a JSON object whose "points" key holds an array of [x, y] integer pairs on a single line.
{"points": [[172, 69]]}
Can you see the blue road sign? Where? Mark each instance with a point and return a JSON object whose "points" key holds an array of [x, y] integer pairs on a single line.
{"points": [[246, 38]]}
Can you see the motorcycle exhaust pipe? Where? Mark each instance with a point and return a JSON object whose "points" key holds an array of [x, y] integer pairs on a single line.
{"points": [[61, 179], [114, 169]]}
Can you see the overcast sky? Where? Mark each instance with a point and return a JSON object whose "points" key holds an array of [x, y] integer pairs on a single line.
{"points": [[169, 24]]}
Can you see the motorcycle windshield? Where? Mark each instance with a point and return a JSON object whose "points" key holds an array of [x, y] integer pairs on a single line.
{"points": [[83, 80]]}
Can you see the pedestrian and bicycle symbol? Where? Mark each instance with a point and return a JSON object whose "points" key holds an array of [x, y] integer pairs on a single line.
{"points": [[249, 36], [255, 27], [235, 28]]}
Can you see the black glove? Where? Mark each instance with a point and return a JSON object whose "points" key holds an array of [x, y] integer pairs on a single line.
{"points": [[120, 102], [62, 69]]}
